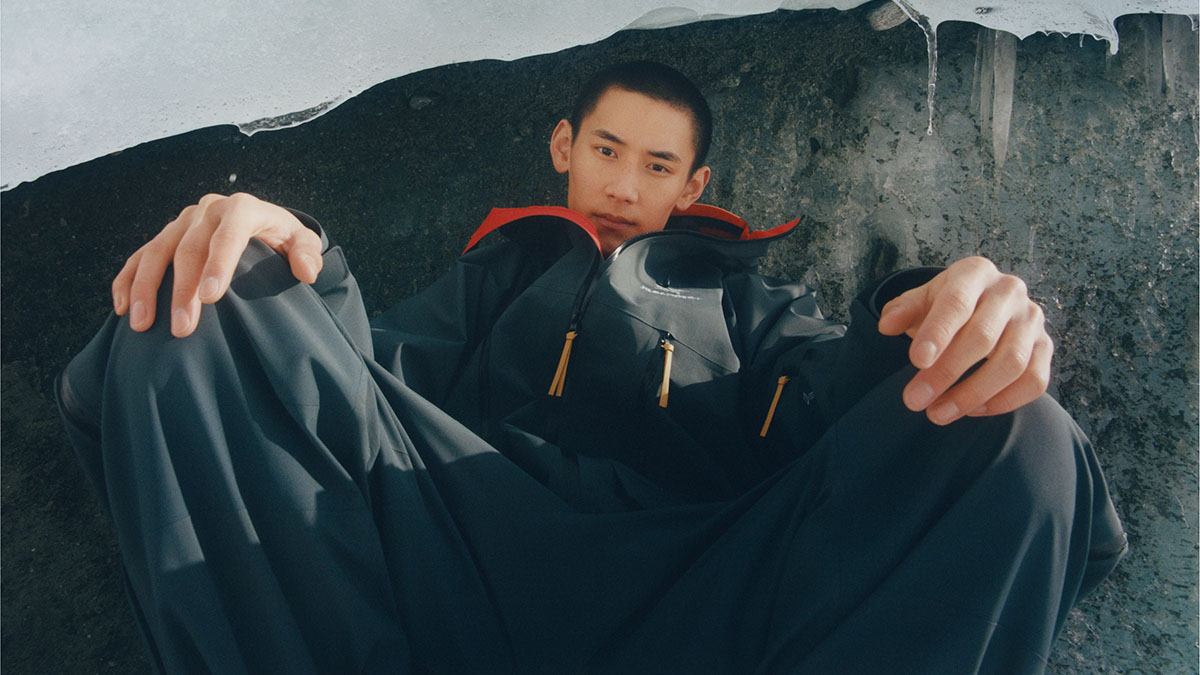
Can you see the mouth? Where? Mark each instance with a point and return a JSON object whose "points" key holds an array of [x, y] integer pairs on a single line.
{"points": [[612, 222]]}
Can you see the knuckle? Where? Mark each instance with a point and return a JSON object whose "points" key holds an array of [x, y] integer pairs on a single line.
{"points": [[188, 212], [143, 287], [1037, 314], [156, 247], [942, 374], [223, 237], [985, 333], [1012, 284], [979, 263], [1040, 381], [980, 341], [241, 198], [1012, 360], [958, 302], [190, 247]]}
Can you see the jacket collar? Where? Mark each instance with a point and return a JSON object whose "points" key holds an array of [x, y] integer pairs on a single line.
{"points": [[702, 219]]}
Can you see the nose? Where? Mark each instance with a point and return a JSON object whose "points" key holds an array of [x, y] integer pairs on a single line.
{"points": [[622, 184]]}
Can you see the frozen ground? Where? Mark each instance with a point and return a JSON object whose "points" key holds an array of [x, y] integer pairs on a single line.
{"points": [[1095, 206]]}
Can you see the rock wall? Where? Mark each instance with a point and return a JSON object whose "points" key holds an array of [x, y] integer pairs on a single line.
{"points": [[1095, 206]]}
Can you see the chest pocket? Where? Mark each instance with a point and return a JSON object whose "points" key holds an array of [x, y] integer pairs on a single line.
{"points": [[654, 379]]}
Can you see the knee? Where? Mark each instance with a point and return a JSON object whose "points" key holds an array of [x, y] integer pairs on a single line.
{"points": [[1045, 465]]}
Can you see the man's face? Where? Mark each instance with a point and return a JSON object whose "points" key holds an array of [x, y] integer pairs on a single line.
{"points": [[628, 165]]}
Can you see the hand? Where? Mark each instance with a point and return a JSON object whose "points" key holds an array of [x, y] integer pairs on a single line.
{"points": [[205, 243], [968, 313]]}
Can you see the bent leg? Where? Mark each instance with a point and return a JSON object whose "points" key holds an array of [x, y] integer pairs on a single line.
{"points": [[890, 546], [246, 538], [951, 549]]}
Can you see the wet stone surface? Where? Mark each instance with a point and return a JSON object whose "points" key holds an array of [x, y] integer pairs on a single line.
{"points": [[816, 114]]}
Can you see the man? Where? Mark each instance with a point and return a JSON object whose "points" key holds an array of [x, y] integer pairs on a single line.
{"points": [[601, 443]]}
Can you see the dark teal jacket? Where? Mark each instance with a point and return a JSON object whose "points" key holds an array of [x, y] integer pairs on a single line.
{"points": [[488, 340]]}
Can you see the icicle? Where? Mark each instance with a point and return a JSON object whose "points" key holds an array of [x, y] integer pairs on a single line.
{"points": [[985, 56], [975, 74], [1178, 46], [774, 403], [1005, 60], [930, 31], [560, 375], [1153, 27]]}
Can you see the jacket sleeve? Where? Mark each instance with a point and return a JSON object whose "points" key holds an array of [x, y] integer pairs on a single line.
{"points": [[828, 372], [432, 339], [338, 287]]}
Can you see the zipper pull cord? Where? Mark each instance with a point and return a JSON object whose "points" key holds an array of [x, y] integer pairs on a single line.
{"points": [[784, 379], [560, 375], [664, 389]]}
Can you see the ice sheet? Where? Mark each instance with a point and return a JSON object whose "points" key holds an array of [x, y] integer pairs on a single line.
{"points": [[79, 80]]}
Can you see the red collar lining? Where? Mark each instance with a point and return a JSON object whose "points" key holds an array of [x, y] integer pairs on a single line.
{"points": [[499, 217]]}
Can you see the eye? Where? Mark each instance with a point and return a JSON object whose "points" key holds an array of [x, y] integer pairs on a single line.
{"points": [[606, 151], [659, 168]]}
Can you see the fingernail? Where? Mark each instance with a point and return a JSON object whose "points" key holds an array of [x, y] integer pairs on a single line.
{"points": [[919, 395], [179, 321], [923, 353], [137, 315], [944, 413], [208, 288]]}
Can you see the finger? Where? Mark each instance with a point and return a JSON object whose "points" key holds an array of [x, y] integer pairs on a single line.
{"points": [[143, 291], [903, 312], [1029, 386], [1004, 366], [151, 264], [950, 307], [975, 341], [122, 282], [190, 258], [225, 246], [244, 217], [303, 251]]}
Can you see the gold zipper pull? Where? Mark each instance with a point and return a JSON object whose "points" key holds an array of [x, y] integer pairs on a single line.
{"points": [[560, 375], [783, 379], [664, 389]]}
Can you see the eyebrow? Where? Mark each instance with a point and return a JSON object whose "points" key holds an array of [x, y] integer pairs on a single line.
{"points": [[665, 155]]}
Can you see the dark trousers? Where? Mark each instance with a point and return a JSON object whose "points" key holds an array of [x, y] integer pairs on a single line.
{"points": [[283, 504]]}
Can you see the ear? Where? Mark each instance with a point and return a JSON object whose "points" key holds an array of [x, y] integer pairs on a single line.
{"points": [[694, 188], [560, 146]]}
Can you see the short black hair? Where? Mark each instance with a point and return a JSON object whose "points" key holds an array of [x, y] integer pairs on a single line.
{"points": [[657, 81]]}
